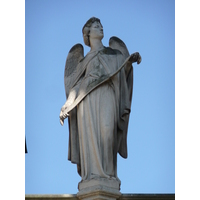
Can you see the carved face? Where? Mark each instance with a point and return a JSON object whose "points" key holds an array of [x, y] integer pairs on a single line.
{"points": [[96, 31]]}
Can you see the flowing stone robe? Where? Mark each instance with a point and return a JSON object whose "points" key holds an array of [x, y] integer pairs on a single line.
{"points": [[98, 124]]}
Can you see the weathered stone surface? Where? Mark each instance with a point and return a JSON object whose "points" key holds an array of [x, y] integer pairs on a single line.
{"points": [[99, 194], [147, 197], [99, 189], [122, 197], [51, 197], [99, 93]]}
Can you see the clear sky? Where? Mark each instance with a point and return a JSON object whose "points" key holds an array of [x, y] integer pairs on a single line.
{"points": [[147, 26]]}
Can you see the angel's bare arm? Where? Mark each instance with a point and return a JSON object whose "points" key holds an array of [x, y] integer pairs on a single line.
{"points": [[70, 99]]}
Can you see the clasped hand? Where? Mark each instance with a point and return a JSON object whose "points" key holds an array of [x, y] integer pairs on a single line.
{"points": [[135, 57], [63, 114]]}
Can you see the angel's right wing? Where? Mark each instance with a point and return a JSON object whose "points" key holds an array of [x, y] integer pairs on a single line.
{"points": [[76, 53]]}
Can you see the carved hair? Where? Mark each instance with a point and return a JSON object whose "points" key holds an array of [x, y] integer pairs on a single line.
{"points": [[86, 30]]}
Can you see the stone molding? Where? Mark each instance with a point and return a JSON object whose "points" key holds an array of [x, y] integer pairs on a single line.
{"points": [[122, 197]]}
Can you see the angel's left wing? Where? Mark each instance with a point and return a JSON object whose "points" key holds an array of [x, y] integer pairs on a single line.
{"points": [[76, 53]]}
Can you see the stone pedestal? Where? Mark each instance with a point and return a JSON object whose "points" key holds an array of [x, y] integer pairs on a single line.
{"points": [[99, 189]]}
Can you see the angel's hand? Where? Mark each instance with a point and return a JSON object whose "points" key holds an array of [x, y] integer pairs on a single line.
{"points": [[135, 57], [63, 115]]}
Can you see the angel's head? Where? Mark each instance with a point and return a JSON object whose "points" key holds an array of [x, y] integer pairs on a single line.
{"points": [[92, 28]]}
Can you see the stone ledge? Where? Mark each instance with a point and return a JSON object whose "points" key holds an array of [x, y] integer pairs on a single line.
{"points": [[123, 197], [50, 197], [147, 197]]}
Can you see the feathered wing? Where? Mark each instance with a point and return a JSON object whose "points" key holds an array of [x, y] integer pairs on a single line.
{"points": [[76, 53], [116, 43]]}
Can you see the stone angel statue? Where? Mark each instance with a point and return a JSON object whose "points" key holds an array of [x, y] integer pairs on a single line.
{"points": [[99, 92]]}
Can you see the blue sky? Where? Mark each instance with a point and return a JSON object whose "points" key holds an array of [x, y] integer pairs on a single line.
{"points": [[51, 28]]}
